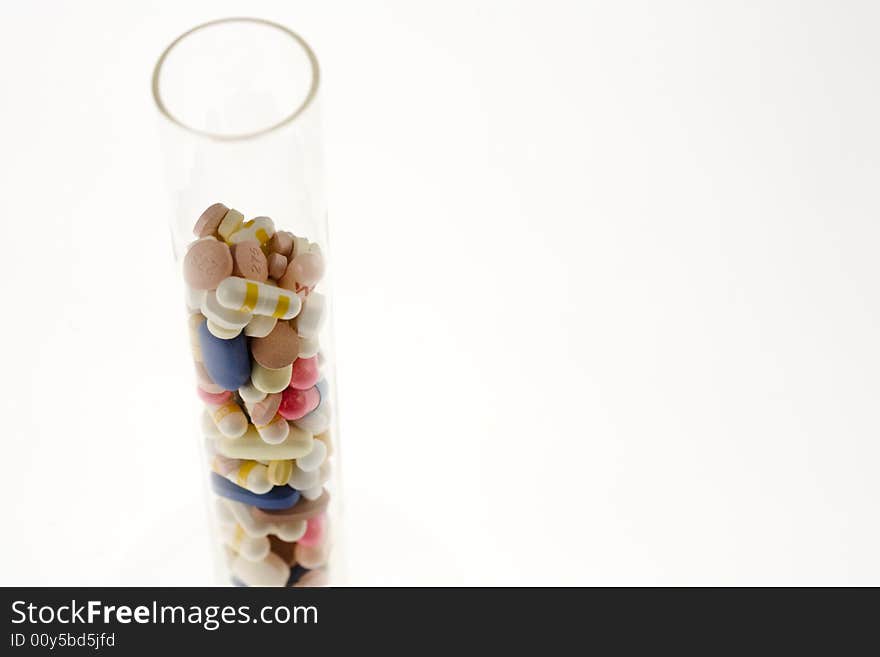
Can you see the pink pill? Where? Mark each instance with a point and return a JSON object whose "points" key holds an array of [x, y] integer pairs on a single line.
{"points": [[263, 412], [214, 397], [314, 531], [308, 268], [305, 373], [277, 265], [298, 403]]}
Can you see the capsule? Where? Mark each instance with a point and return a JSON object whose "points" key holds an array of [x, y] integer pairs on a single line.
{"points": [[269, 571], [230, 223], [311, 318], [229, 418], [227, 362], [252, 446], [246, 296], [270, 381], [274, 432], [223, 316], [287, 524], [248, 474], [314, 459], [258, 229]]}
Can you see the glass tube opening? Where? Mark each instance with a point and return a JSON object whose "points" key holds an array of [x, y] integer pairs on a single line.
{"points": [[235, 78]]}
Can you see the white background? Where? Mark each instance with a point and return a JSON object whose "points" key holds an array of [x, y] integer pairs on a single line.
{"points": [[606, 292]]}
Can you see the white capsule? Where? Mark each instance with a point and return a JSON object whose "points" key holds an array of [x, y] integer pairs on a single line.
{"points": [[250, 394], [252, 447], [221, 315], [252, 548], [311, 317], [314, 459], [275, 432], [312, 494], [260, 326], [259, 524], [318, 421], [220, 332], [193, 298], [269, 571]]}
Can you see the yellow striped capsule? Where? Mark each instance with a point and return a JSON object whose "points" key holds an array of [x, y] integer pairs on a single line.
{"points": [[279, 472], [246, 296], [259, 229]]}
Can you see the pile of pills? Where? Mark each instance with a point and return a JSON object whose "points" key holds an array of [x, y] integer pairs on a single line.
{"points": [[254, 323]]}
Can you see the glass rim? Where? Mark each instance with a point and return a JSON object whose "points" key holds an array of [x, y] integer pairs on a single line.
{"points": [[219, 136]]}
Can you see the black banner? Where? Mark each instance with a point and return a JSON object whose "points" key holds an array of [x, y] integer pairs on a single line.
{"points": [[265, 621]]}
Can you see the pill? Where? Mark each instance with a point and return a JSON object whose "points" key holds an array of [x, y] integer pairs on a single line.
{"points": [[259, 229], [278, 349], [283, 549], [264, 411], [278, 497], [221, 315], [247, 474], [193, 298], [314, 532], [281, 243], [300, 245], [226, 361], [275, 431], [209, 221], [192, 325], [268, 380], [308, 347], [277, 264], [252, 297], [325, 438], [233, 535], [209, 428], [252, 446], [313, 578], [302, 510], [279, 472], [250, 395], [204, 379], [311, 556], [260, 326], [313, 493], [214, 398], [206, 264], [318, 421], [302, 480], [311, 316], [249, 261], [314, 459], [270, 571], [306, 270], [298, 403], [230, 223], [286, 525], [252, 549], [305, 373], [223, 333], [229, 418]]}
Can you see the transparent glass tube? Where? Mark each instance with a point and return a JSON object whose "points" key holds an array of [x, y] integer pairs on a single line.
{"points": [[240, 132]]}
